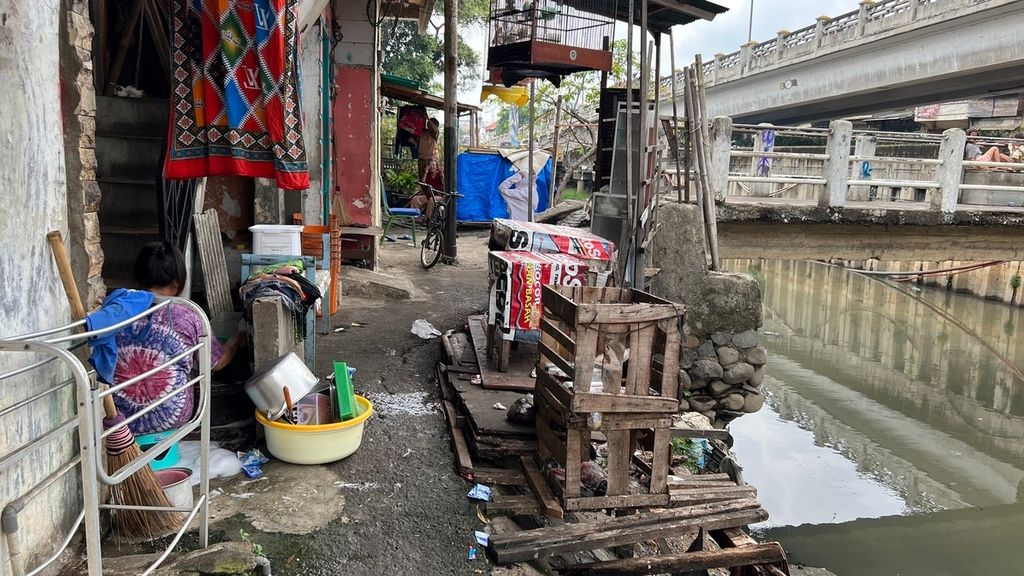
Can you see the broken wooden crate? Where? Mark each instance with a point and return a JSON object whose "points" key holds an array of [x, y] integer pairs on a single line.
{"points": [[581, 324]]}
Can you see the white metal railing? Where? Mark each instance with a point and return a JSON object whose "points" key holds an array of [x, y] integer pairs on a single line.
{"points": [[831, 34], [58, 345], [847, 160]]}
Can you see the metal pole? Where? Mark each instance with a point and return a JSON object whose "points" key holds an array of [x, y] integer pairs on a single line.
{"points": [[675, 119], [529, 181], [451, 118], [750, 25]]}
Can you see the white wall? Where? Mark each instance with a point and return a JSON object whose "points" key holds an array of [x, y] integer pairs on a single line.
{"points": [[33, 188]]}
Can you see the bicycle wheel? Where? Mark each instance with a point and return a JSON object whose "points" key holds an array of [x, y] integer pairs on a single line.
{"points": [[430, 250]]}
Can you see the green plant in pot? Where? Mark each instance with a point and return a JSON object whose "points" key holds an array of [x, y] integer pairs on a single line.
{"points": [[401, 182]]}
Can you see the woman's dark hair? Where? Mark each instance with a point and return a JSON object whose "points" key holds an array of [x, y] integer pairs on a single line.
{"points": [[160, 264]]}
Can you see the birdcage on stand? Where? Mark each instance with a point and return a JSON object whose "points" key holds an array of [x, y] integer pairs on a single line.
{"points": [[547, 38]]}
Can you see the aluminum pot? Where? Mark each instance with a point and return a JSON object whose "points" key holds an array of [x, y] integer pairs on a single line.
{"points": [[266, 389]]}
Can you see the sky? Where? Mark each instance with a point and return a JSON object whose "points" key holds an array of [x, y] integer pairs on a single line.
{"points": [[728, 31], [724, 34]]}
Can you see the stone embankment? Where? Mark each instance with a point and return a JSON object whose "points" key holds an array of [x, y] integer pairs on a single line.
{"points": [[721, 377]]}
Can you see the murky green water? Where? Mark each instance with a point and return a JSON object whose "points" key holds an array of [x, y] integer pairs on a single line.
{"points": [[892, 442]]}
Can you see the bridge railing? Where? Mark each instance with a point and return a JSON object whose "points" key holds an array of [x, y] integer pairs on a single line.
{"points": [[837, 165], [831, 34]]}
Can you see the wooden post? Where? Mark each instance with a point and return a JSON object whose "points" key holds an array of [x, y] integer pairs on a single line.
{"points": [[553, 192], [950, 172], [451, 119], [675, 122], [474, 129], [837, 166], [721, 146]]}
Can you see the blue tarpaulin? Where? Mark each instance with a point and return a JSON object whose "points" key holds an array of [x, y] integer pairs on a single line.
{"points": [[478, 176]]}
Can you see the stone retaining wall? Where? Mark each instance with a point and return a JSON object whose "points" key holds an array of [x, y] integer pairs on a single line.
{"points": [[721, 363], [721, 377]]}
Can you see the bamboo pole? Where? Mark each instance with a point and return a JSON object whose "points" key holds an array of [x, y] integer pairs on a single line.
{"points": [[553, 189], [531, 192], [680, 175], [709, 200], [693, 139]]}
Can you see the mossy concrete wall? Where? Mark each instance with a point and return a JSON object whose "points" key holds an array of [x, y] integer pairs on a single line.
{"points": [[715, 301]]}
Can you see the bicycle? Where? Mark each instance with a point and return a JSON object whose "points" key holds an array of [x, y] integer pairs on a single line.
{"points": [[433, 242]]}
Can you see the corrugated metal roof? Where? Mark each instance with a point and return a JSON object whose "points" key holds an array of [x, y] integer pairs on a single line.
{"points": [[661, 14]]}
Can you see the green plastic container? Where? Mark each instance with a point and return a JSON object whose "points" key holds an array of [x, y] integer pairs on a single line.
{"points": [[347, 407]]}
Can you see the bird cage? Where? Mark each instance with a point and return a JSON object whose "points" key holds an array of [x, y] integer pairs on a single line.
{"points": [[545, 38]]}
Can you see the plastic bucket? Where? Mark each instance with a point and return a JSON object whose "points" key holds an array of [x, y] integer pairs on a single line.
{"points": [[316, 444]]}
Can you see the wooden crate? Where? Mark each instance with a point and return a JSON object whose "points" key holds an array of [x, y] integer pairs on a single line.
{"points": [[636, 402]]}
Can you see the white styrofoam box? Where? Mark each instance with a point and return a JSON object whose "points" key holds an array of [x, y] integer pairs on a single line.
{"points": [[276, 239]]}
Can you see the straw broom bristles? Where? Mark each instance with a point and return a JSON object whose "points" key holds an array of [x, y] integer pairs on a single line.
{"points": [[140, 489]]}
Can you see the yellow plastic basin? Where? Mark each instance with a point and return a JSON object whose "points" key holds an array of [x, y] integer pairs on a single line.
{"points": [[318, 444]]}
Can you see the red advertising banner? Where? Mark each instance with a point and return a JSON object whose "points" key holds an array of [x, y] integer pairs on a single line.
{"points": [[516, 280], [517, 236]]}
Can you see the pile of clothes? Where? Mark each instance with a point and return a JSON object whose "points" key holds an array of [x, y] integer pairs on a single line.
{"points": [[286, 280]]}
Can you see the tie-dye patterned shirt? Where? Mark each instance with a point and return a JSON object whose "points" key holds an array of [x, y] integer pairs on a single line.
{"points": [[145, 345]]}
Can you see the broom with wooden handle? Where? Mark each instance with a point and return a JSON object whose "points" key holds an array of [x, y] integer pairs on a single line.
{"points": [[141, 488]]}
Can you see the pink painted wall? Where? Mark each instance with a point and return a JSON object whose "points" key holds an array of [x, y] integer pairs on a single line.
{"points": [[353, 151]]}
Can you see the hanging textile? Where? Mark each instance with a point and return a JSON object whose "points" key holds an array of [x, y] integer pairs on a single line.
{"points": [[412, 119], [764, 163], [235, 101]]}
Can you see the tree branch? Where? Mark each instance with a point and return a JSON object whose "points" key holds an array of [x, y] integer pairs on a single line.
{"points": [[571, 169]]}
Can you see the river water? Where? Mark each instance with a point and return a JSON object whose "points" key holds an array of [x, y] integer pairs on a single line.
{"points": [[892, 438]]}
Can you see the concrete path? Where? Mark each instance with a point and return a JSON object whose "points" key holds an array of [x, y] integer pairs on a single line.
{"points": [[396, 506]]}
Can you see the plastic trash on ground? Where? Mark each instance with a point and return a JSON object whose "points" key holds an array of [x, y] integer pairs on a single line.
{"points": [[425, 329], [480, 492], [481, 537], [522, 411], [251, 463]]}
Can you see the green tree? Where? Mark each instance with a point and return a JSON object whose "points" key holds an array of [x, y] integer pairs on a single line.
{"points": [[420, 57]]}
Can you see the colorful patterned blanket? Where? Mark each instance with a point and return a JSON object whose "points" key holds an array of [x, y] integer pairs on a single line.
{"points": [[234, 92]]}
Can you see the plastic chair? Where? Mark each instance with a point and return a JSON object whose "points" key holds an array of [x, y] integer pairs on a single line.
{"points": [[397, 214]]}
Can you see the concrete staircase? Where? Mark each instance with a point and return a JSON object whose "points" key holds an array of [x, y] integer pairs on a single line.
{"points": [[129, 137]]}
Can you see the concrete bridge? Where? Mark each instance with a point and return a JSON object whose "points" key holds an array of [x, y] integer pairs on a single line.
{"points": [[885, 55], [852, 208]]}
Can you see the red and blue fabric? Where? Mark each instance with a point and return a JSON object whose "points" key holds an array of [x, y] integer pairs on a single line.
{"points": [[234, 98]]}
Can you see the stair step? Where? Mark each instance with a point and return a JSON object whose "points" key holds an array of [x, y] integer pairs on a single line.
{"points": [[129, 229], [130, 200], [128, 158], [130, 136], [148, 182], [121, 245], [131, 115]]}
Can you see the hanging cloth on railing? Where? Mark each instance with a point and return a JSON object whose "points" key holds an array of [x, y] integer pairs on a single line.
{"points": [[234, 95], [764, 163]]}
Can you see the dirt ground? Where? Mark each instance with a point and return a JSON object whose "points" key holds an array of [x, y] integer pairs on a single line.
{"points": [[396, 506]]}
